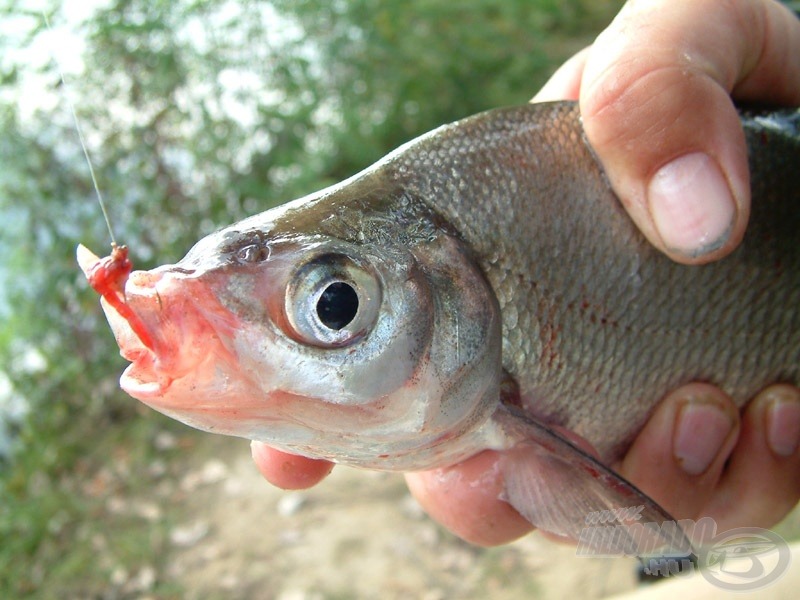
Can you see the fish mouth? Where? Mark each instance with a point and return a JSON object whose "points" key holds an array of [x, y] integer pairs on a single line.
{"points": [[167, 323], [152, 354], [142, 379]]}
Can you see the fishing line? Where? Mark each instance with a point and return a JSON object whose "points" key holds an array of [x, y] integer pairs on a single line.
{"points": [[65, 89]]}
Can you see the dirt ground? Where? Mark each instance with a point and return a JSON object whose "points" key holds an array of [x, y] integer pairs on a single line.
{"points": [[357, 535]]}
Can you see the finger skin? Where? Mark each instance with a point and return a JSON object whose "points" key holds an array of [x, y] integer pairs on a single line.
{"points": [[651, 89], [745, 485], [288, 471], [465, 498], [654, 89], [651, 463], [759, 487], [565, 83]]}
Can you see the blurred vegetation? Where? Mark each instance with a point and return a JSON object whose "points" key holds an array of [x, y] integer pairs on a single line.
{"points": [[197, 113]]}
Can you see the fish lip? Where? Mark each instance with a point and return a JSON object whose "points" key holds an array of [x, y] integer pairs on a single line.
{"points": [[164, 320], [141, 379], [135, 386], [187, 329]]}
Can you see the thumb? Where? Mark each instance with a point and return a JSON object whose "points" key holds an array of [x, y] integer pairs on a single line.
{"points": [[656, 102]]}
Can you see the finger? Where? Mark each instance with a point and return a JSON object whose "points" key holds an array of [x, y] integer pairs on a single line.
{"points": [[762, 481], [565, 83], [288, 471], [655, 100], [679, 456], [465, 499]]}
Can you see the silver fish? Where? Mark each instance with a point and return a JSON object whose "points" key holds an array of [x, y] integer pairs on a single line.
{"points": [[473, 289]]}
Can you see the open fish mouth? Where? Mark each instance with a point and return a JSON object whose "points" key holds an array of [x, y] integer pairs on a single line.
{"points": [[143, 378], [166, 323]]}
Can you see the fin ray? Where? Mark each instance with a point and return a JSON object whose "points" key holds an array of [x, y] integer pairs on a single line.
{"points": [[561, 489]]}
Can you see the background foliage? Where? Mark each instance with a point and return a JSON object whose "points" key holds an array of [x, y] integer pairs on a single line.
{"points": [[197, 113]]}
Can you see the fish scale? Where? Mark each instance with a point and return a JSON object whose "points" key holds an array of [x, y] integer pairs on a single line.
{"points": [[492, 288], [598, 325]]}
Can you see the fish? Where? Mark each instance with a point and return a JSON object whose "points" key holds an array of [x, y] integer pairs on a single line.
{"points": [[480, 287]]}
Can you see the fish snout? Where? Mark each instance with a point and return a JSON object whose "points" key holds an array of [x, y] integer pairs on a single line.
{"points": [[143, 280]]}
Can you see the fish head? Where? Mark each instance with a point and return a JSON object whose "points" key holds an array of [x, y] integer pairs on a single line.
{"points": [[358, 336]]}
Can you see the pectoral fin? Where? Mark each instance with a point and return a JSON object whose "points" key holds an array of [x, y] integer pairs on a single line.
{"points": [[563, 490]]}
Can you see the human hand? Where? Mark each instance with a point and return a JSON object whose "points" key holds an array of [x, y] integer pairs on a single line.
{"points": [[696, 456], [654, 89], [656, 93], [742, 470]]}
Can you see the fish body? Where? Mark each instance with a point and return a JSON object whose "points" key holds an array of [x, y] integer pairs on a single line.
{"points": [[597, 324], [473, 289]]}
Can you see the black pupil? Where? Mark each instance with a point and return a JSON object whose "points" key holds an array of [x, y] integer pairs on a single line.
{"points": [[338, 305]]}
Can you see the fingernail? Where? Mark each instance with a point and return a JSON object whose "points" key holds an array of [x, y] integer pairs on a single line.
{"points": [[701, 430], [691, 205], [783, 423]]}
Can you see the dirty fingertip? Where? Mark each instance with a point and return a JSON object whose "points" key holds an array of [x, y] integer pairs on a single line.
{"points": [[692, 206]]}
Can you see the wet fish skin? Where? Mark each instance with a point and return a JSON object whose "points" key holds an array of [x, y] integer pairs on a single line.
{"points": [[503, 288], [597, 324], [412, 394]]}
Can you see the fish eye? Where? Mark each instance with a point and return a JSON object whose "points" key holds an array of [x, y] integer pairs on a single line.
{"points": [[332, 301]]}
